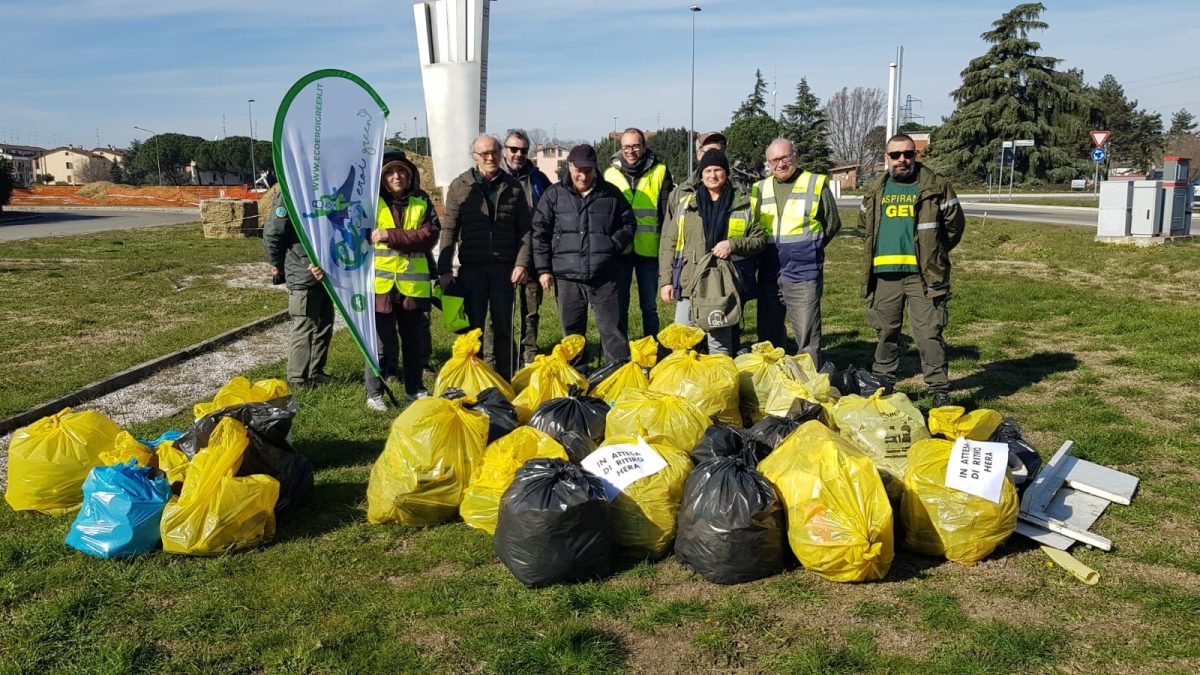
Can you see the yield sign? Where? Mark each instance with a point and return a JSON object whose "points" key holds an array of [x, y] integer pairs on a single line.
{"points": [[1099, 137]]}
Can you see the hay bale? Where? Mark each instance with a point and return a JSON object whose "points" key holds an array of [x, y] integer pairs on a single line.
{"points": [[265, 205], [230, 218]]}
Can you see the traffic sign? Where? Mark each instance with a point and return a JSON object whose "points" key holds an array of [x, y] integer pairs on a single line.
{"points": [[1099, 137], [1006, 144], [1027, 143], [1098, 155]]}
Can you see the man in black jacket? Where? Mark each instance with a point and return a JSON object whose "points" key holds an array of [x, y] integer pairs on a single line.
{"points": [[486, 220], [580, 229]]}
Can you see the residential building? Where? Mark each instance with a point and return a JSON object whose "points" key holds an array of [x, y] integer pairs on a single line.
{"points": [[23, 161], [65, 163], [550, 158]]}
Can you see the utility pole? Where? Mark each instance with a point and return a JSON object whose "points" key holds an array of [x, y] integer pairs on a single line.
{"points": [[253, 168]]}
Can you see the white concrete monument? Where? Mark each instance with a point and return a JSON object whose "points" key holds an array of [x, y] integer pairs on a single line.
{"points": [[452, 40]]}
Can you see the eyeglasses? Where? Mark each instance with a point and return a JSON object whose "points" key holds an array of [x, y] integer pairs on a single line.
{"points": [[516, 149], [487, 153], [637, 146], [906, 154], [776, 161]]}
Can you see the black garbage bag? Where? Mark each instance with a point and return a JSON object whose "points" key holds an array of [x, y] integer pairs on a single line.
{"points": [[502, 416], [772, 429], [576, 421], [554, 525], [861, 382], [732, 523], [1019, 450], [268, 424], [720, 440]]}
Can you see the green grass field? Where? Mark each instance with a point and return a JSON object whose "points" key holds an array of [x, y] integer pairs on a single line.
{"points": [[76, 309], [1075, 339]]}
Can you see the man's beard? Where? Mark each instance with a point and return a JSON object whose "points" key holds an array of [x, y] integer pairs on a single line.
{"points": [[903, 174]]}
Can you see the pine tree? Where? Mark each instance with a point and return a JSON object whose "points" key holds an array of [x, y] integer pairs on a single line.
{"points": [[804, 124], [1012, 92], [756, 104], [1183, 122]]}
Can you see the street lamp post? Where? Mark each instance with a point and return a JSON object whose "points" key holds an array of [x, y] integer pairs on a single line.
{"points": [[615, 118], [692, 123], [253, 168], [157, 155]]}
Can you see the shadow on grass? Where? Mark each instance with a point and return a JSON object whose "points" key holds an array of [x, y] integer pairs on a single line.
{"points": [[845, 349], [334, 505], [333, 453], [1008, 376]]}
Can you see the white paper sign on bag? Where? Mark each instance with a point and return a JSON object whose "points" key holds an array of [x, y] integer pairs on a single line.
{"points": [[619, 466], [977, 468]]}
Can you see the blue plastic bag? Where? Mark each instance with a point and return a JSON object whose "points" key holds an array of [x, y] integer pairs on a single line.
{"points": [[165, 436], [122, 507]]}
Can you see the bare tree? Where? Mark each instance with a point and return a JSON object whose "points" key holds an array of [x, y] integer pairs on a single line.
{"points": [[94, 169], [538, 137], [852, 115]]}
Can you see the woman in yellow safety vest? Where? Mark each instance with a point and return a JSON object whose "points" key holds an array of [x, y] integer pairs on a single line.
{"points": [[406, 229], [712, 218]]}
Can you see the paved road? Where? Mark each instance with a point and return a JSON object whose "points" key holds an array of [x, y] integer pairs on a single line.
{"points": [[66, 222], [1082, 216]]}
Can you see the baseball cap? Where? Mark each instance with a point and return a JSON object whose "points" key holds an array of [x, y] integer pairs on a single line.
{"points": [[582, 156], [712, 137]]}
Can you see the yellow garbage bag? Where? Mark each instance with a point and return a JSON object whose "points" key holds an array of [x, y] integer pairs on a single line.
{"points": [[216, 512], [465, 370], [481, 501], [839, 519], [953, 421], [662, 418], [643, 355], [758, 372], [126, 447], [942, 521], [645, 511], [708, 381], [431, 453], [239, 390], [49, 459], [548, 377], [884, 427], [172, 461]]}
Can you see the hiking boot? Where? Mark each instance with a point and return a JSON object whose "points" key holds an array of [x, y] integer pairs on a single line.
{"points": [[319, 378], [941, 399], [376, 403]]}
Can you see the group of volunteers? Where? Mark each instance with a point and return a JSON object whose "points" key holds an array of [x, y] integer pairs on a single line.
{"points": [[508, 234]]}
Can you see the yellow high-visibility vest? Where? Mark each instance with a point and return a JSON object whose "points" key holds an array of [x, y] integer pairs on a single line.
{"points": [[737, 224], [644, 199], [407, 272], [799, 219]]}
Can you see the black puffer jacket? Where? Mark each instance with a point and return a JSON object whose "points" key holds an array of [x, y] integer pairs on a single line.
{"points": [[580, 238], [480, 232]]}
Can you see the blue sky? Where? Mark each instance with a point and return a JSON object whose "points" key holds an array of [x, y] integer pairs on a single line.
{"points": [[91, 68]]}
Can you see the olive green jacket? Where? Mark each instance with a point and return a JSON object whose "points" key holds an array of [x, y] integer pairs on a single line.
{"points": [[679, 270], [938, 224]]}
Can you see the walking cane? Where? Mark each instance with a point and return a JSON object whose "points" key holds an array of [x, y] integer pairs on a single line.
{"points": [[513, 329]]}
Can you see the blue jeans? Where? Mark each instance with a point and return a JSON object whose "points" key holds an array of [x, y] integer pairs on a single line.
{"points": [[647, 282]]}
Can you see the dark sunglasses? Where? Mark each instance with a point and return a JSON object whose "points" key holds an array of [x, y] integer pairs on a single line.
{"points": [[906, 154], [514, 149]]}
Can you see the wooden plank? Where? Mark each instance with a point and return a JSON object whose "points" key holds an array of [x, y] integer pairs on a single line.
{"points": [[1102, 481], [1089, 538], [1048, 480], [1043, 536], [1078, 510]]}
